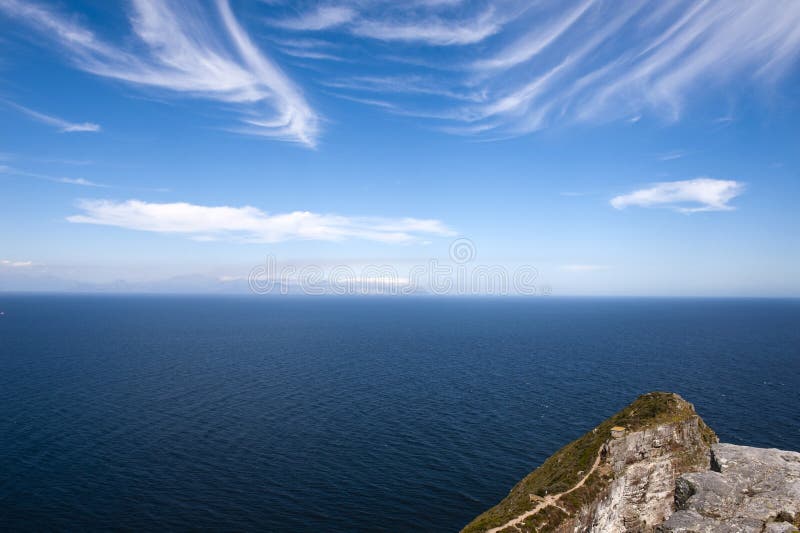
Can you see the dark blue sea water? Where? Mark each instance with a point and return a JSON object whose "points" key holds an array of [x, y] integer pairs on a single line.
{"points": [[304, 414]]}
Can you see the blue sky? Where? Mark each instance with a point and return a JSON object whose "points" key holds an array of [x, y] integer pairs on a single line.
{"points": [[620, 148]]}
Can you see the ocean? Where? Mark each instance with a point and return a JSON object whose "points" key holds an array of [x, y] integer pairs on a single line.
{"points": [[350, 414]]}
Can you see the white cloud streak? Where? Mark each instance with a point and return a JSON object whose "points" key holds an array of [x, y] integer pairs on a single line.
{"points": [[539, 64], [432, 32], [62, 125], [322, 18], [15, 264], [671, 156], [186, 52], [409, 84], [251, 225], [78, 181], [4, 169], [530, 45], [409, 22], [495, 68], [711, 42], [687, 196]]}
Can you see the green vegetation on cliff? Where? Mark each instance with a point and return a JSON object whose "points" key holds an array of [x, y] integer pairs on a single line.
{"points": [[564, 469]]}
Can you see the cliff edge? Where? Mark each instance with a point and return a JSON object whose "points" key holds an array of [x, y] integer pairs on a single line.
{"points": [[635, 470]]}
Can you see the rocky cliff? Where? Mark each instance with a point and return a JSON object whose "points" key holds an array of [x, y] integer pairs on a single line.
{"points": [[746, 490], [632, 472]]}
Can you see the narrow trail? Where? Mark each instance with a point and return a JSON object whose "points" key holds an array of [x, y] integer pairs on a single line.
{"points": [[548, 500]]}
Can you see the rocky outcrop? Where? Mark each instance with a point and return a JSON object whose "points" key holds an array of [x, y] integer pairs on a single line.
{"points": [[746, 490], [618, 477], [646, 464], [653, 467]]}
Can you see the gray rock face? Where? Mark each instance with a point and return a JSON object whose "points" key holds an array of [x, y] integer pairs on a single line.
{"points": [[746, 490], [646, 465], [657, 469]]}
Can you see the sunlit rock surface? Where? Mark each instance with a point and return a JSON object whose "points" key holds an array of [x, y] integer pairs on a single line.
{"points": [[653, 467], [747, 489]]}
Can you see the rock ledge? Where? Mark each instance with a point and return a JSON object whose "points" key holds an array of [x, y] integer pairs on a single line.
{"points": [[746, 490]]}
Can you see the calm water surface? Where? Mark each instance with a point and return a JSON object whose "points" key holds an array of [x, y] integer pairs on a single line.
{"points": [[350, 414]]}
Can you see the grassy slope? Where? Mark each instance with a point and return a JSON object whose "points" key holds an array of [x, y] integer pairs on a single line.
{"points": [[560, 472]]}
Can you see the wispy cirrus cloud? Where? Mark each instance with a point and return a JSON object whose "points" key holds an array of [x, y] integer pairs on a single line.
{"points": [[15, 264], [409, 22], [251, 225], [492, 68], [5, 169], [530, 45], [185, 51], [435, 31], [687, 196], [550, 63], [321, 18], [671, 156], [413, 84], [302, 53], [79, 181], [63, 126]]}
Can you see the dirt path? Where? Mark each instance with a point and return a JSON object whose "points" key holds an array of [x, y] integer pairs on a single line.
{"points": [[548, 500]]}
